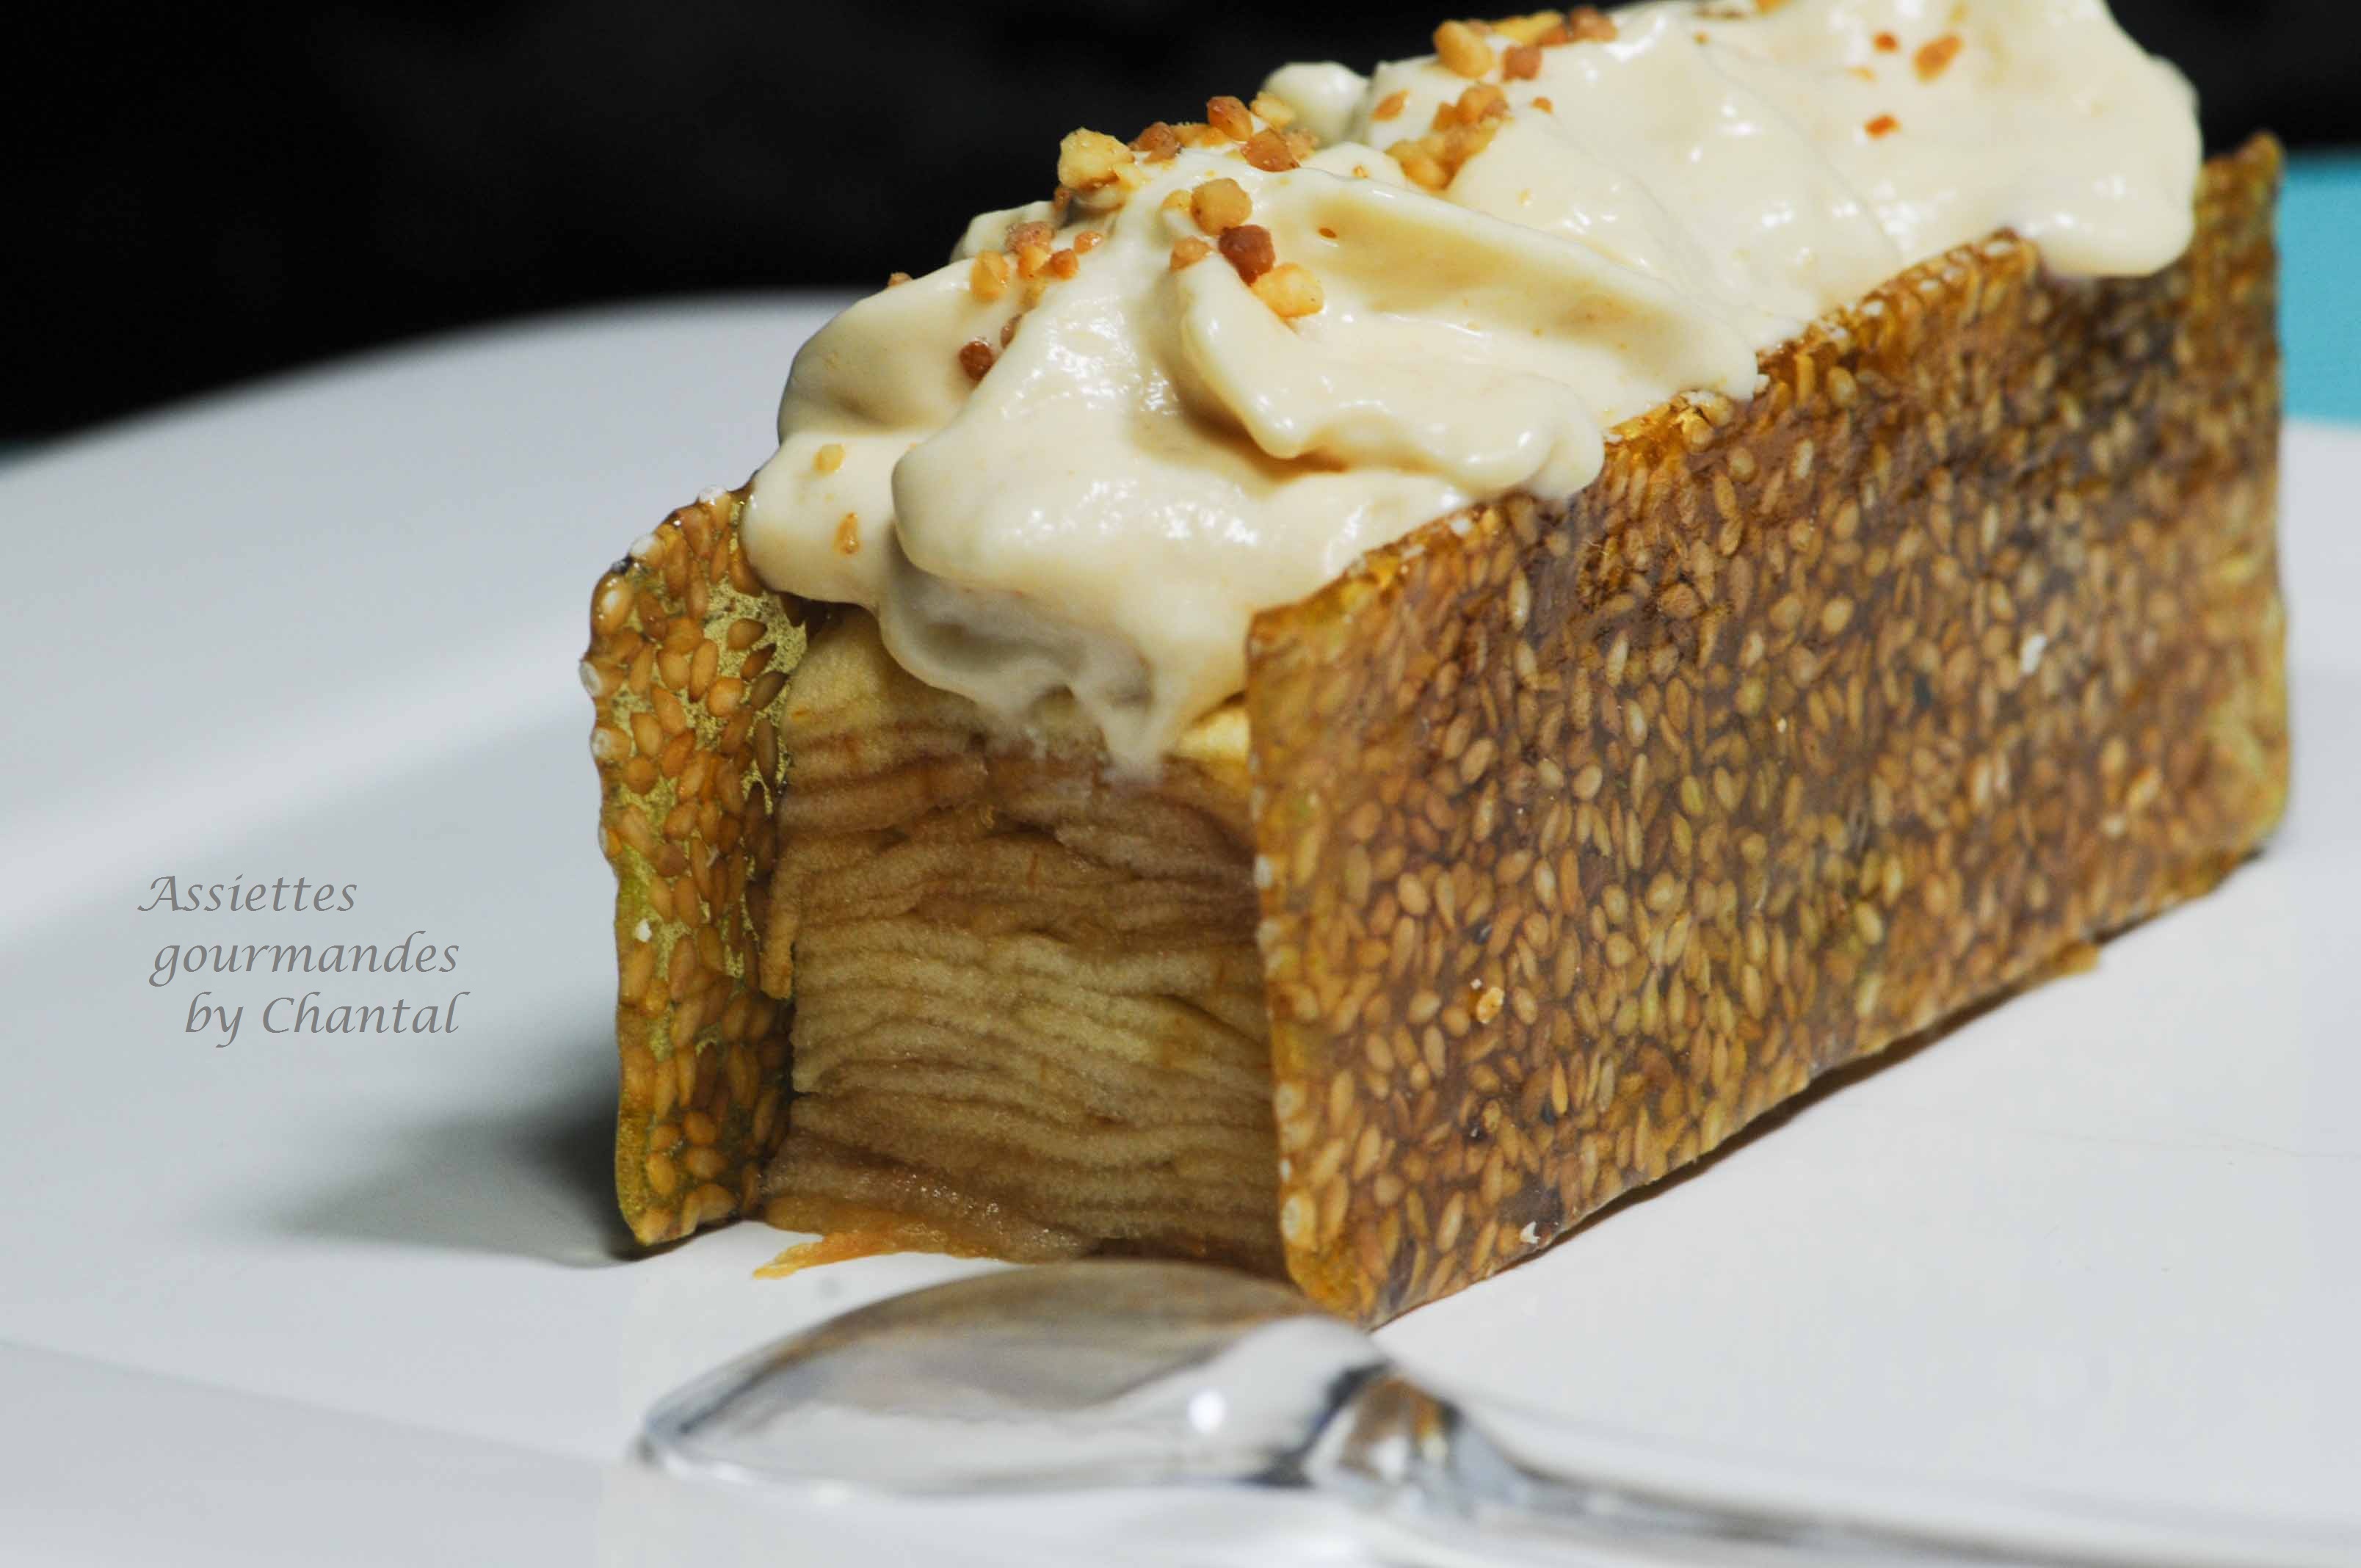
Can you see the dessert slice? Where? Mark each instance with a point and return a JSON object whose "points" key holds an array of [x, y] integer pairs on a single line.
{"points": [[1546, 846]]}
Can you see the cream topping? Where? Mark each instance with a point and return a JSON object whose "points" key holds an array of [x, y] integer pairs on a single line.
{"points": [[1477, 277]]}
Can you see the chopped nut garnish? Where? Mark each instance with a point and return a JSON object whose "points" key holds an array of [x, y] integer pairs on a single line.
{"points": [[1935, 58], [1420, 168], [1218, 205], [1008, 330], [1158, 143], [987, 276], [1462, 129], [1864, 73], [1030, 242], [1273, 112], [1247, 248], [1545, 105], [1886, 43], [848, 534], [1229, 116], [1268, 152], [1462, 49], [1480, 103], [975, 357], [1088, 160], [1590, 25], [1088, 241], [1064, 264], [1174, 202], [1290, 292], [1299, 142], [1521, 63], [1196, 132], [1327, 233], [1529, 29], [1188, 252], [1883, 126], [827, 459], [1391, 104], [895, 279]]}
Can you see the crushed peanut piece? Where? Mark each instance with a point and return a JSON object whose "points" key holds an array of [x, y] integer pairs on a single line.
{"points": [[1545, 105], [975, 357], [1864, 73], [1299, 142], [1158, 143], [1088, 241], [1273, 112], [1247, 248], [1089, 159], [1229, 116], [1883, 126], [1420, 168], [1218, 205], [987, 276], [895, 279], [1266, 152], [848, 534], [1008, 330], [1480, 103], [1886, 43], [1030, 242], [1462, 49], [1327, 233], [1531, 29], [1174, 202], [1064, 264], [828, 458], [1197, 134], [1590, 25], [1522, 62], [1187, 253], [1391, 104], [1290, 292], [1935, 58]]}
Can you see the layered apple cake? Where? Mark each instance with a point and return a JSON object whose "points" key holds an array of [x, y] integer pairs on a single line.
{"points": [[1401, 660]]}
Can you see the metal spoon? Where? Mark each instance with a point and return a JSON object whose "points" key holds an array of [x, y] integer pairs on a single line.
{"points": [[1130, 1373]]}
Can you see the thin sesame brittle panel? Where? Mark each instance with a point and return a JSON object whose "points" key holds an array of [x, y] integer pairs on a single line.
{"points": [[688, 661], [1588, 833]]}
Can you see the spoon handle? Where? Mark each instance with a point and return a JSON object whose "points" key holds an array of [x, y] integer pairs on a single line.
{"points": [[1461, 1490]]}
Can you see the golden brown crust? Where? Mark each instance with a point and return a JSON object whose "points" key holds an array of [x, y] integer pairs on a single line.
{"points": [[687, 666], [1589, 835]]}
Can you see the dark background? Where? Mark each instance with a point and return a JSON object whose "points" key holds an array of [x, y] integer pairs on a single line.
{"points": [[192, 194]]}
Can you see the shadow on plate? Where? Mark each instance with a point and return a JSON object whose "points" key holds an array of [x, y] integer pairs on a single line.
{"points": [[534, 1180]]}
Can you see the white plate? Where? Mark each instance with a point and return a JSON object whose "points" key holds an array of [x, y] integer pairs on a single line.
{"points": [[322, 1298]]}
